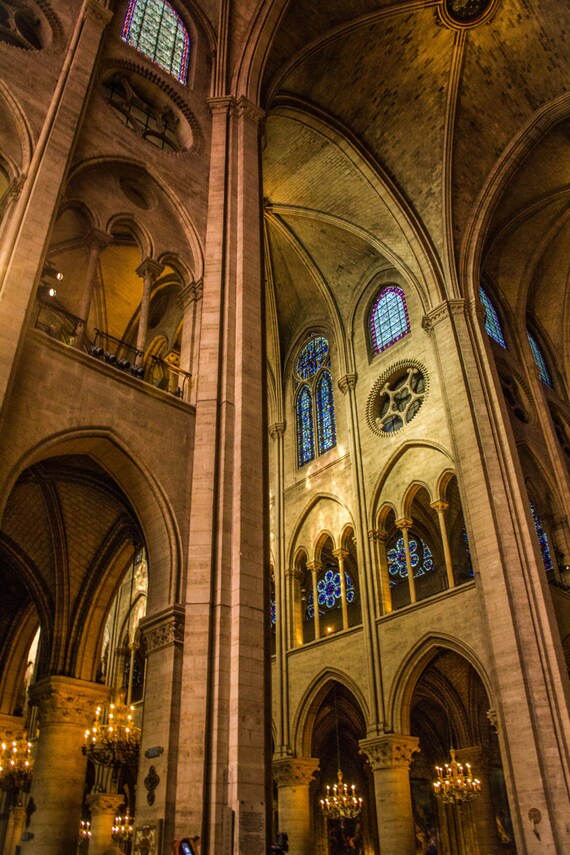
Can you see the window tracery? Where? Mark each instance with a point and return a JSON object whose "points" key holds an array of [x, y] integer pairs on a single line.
{"points": [[156, 30], [388, 320], [314, 405], [492, 323], [154, 123], [420, 557]]}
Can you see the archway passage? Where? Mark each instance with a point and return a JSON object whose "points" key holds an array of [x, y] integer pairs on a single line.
{"points": [[450, 709], [338, 726]]}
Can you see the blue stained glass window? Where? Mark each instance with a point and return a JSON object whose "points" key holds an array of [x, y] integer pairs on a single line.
{"points": [[492, 322], [420, 557], [155, 29], [326, 427], [542, 539], [273, 613], [329, 593], [312, 357], [388, 320], [305, 428], [467, 551], [540, 360]]}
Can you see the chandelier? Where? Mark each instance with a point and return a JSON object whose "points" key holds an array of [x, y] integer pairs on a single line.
{"points": [[16, 765], [113, 740], [455, 785], [84, 831], [340, 800], [122, 832]]}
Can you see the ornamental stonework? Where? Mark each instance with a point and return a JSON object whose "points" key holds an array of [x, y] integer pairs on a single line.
{"points": [[390, 751], [294, 771], [162, 631], [62, 700], [105, 803]]}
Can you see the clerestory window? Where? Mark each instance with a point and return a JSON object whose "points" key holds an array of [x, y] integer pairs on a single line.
{"points": [[388, 319], [155, 29], [540, 360], [492, 323], [314, 401]]}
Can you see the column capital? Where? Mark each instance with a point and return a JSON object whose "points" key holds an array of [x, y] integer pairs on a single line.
{"points": [[162, 629], [222, 104], [294, 771], [341, 553], [390, 750], [404, 523], [441, 312], [11, 726], [245, 107], [277, 429], [440, 506], [105, 803], [314, 566], [378, 535], [191, 293], [65, 700], [149, 267], [347, 382], [98, 12], [97, 238]]}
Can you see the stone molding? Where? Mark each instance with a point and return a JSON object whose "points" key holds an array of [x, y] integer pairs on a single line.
{"points": [[347, 382], [341, 553], [191, 293], [440, 505], [163, 629], [64, 700], [97, 238], [11, 726], [149, 268], [377, 535], [294, 771], [314, 566], [404, 523], [390, 751], [98, 12], [245, 107], [443, 311], [105, 803], [276, 429]]}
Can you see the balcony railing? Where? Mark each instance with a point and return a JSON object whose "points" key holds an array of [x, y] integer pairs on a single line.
{"points": [[62, 325]]}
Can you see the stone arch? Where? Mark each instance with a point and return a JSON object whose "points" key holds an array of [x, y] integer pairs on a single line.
{"points": [[298, 532], [136, 229]]}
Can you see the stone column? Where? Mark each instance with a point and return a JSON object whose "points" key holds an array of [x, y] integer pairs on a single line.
{"points": [[22, 250], [294, 776], [149, 271], [441, 507], [340, 555], [281, 701], [379, 538], [390, 757], [14, 829], [315, 567], [66, 709], [191, 303], [405, 525], [95, 241], [104, 808], [294, 609]]}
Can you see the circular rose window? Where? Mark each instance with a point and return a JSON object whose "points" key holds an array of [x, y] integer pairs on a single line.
{"points": [[396, 399]]}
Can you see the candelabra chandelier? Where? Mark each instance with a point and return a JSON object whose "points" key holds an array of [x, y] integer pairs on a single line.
{"points": [[16, 765], [455, 784], [113, 740], [122, 832], [340, 800], [84, 831]]}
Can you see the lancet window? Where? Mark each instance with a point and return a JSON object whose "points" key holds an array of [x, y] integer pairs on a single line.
{"points": [[539, 359], [492, 323], [388, 320], [542, 539], [314, 403], [155, 29]]}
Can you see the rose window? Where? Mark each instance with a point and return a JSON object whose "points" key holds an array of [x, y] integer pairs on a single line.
{"points": [[329, 592], [399, 399], [421, 560]]}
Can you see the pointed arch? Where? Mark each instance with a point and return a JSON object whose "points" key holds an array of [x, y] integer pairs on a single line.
{"points": [[155, 29], [388, 319]]}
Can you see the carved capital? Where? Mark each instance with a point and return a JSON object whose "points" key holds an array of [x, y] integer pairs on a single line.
{"points": [[492, 716], [98, 12], [294, 771], [163, 629], [97, 239], [389, 751], [440, 506], [376, 535], [341, 554], [276, 429], [63, 700], [247, 108], [149, 269], [105, 803], [404, 524], [225, 104], [347, 382], [314, 566], [190, 293], [441, 312]]}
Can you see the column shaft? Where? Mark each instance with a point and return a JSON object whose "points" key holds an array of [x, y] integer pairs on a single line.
{"points": [[404, 525], [294, 776], [441, 508], [340, 555]]}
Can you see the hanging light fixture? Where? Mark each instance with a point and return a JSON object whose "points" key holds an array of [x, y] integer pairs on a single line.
{"points": [[122, 832], [112, 739], [16, 765], [340, 800], [455, 785], [84, 832]]}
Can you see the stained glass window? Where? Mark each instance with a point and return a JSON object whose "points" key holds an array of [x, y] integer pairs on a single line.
{"points": [[329, 593], [155, 29], [305, 427], [326, 427], [542, 539], [420, 557], [492, 322], [388, 320], [273, 614], [540, 360], [314, 401]]}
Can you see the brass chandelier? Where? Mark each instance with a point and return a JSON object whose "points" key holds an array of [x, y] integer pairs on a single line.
{"points": [[122, 832], [16, 765], [113, 739], [455, 785], [340, 800]]}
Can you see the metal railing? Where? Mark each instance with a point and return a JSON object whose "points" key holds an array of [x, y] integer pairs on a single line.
{"points": [[56, 321]]}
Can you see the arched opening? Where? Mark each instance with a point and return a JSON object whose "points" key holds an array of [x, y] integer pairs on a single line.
{"points": [[450, 709]]}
